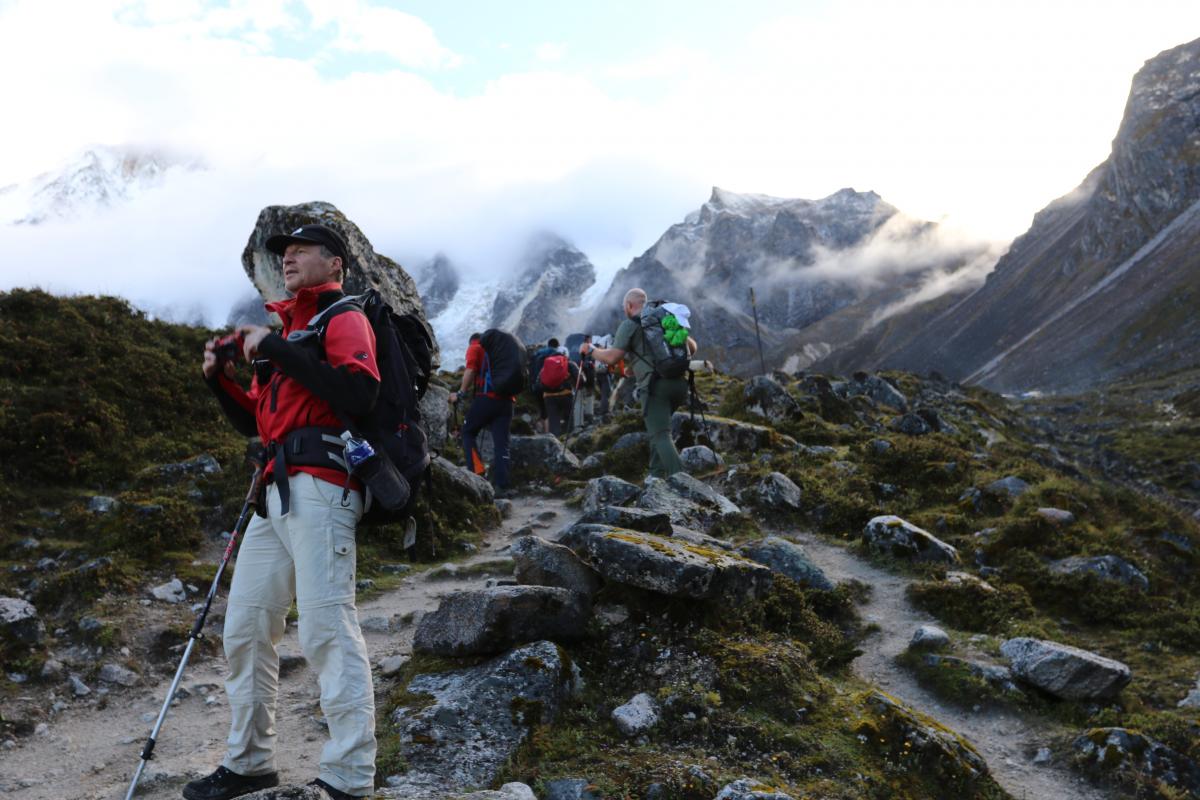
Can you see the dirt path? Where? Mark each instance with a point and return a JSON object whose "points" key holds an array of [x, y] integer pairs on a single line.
{"points": [[1007, 740], [89, 754]]}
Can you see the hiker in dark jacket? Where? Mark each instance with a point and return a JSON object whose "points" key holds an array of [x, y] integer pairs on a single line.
{"points": [[487, 409], [304, 548], [659, 397], [535, 369]]}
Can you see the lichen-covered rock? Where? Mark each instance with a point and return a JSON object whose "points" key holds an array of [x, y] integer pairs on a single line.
{"points": [[478, 718], [483, 621], [700, 539], [637, 716], [778, 494], [1109, 567], [19, 622], [686, 500], [1118, 752], [929, 637], [1010, 486], [878, 389], [366, 269], [897, 537], [638, 519], [1056, 516], [746, 789], [728, 435], [999, 677], [766, 398], [608, 491], [1065, 671], [699, 458], [672, 567], [542, 563], [915, 741], [787, 558], [463, 481]]}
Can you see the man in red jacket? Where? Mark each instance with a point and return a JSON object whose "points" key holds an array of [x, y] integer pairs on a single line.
{"points": [[303, 548]]}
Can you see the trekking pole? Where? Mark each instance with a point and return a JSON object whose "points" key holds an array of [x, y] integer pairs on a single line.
{"points": [[197, 630], [754, 307]]}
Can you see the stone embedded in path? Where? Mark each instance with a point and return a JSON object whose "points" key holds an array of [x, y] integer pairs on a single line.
{"points": [[929, 637], [1108, 567], [637, 716], [478, 718], [484, 621], [894, 536], [787, 558], [465, 482], [115, 673], [608, 491], [1065, 671], [1117, 750], [171, 592], [542, 563], [672, 567]]}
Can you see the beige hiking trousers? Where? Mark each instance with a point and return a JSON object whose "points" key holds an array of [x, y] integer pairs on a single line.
{"points": [[308, 555]]}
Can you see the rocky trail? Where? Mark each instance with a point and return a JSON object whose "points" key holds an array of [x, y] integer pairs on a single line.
{"points": [[1008, 741], [90, 752]]}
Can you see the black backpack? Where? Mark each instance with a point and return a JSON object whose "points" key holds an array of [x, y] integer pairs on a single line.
{"points": [[504, 369], [669, 361], [404, 355]]}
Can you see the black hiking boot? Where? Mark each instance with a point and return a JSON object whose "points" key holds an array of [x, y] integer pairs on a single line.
{"points": [[223, 784], [336, 794]]}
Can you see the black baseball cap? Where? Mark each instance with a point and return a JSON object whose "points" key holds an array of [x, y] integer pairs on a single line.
{"points": [[317, 234]]}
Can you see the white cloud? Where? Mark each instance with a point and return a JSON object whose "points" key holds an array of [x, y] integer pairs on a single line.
{"points": [[550, 52], [365, 28]]}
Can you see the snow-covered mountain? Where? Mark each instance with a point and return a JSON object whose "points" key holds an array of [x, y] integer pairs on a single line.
{"points": [[98, 179]]}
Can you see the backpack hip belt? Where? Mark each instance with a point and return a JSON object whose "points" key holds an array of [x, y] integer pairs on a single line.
{"points": [[304, 447]]}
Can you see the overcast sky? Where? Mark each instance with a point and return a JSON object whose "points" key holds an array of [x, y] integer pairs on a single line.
{"points": [[460, 126]]}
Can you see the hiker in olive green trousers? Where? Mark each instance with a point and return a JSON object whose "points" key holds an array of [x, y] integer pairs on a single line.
{"points": [[659, 396]]}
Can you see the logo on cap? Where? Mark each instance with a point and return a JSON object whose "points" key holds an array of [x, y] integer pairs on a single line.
{"points": [[298, 231]]}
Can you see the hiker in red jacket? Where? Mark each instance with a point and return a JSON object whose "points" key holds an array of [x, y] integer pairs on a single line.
{"points": [[303, 549]]}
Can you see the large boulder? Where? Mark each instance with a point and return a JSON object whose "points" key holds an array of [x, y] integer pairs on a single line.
{"points": [[608, 490], [484, 621], [1065, 671], [366, 270], [638, 519], [19, 622], [699, 458], [727, 435], [777, 494], [1125, 753], [542, 563], [1109, 568], [766, 398], [435, 416], [897, 537], [877, 389], [787, 558], [478, 718], [464, 481], [686, 500], [534, 458], [672, 567]]}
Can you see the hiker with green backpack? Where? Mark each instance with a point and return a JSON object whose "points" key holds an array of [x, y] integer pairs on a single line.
{"points": [[654, 341]]}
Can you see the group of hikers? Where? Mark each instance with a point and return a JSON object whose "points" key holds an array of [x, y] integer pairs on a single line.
{"points": [[333, 397]]}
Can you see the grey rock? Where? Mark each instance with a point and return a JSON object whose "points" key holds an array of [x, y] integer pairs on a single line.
{"points": [[505, 507], [478, 718], [487, 621], [537, 457], [881, 446], [518, 791], [895, 536], [637, 716], [392, 664], [958, 761], [746, 789], [629, 441], [1109, 567], [672, 567], [766, 398], [52, 670], [777, 493], [934, 420], [638, 519], [1110, 750], [435, 416], [366, 269], [997, 676], [1056, 516], [878, 389], [608, 491], [571, 789], [171, 592], [542, 563], [101, 504], [699, 458], [1065, 671], [686, 501], [787, 558], [464, 481], [929, 637], [1193, 698], [78, 687], [19, 622], [375, 625], [700, 539], [200, 466], [592, 463], [115, 673], [1043, 756], [1010, 486], [910, 424], [729, 435]]}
